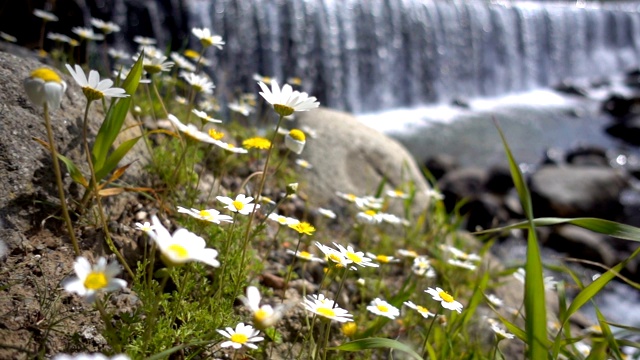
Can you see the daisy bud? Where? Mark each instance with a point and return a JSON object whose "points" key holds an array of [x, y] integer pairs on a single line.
{"points": [[45, 85], [292, 189], [295, 141]]}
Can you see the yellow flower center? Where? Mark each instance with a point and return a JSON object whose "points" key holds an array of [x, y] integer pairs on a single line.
{"points": [[303, 228], [238, 205], [382, 308], [92, 94], [257, 142], [216, 134], [283, 110], [206, 42], [95, 280], [190, 53], [351, 197], [354, 257], [260, 315], [152, 69], [383, 258], [399, 192], [266, 80], [178, 250], [326, 312], [47, 75], [239, 338], [370, 212], [422, 309], [304, 255], [335, 258], [445, 297], [349, 329], [205, 213], [74, 43], [231, 146], [282, 220], [297, 134]]}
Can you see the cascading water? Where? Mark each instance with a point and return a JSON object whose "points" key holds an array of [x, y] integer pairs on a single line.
{"points": [[363, 56]]}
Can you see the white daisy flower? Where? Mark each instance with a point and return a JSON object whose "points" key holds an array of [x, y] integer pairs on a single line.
{"points": [[355, 257], [241, 204], [207, 39], [263, 316], [496, 301], [398, 194], [211, 215], [368, 217], [45, 15], [305, 256], [384, 259], [7, 37], [286, 101], [265, 79], [94, 88], [283, 220], [447, 301], [422, 267], [391, 218], [183, 246], [420, 309], [241, 108], [326, 308], [243, 335], [230, 147], [118, 54], [434, 194], [144, 41], [383, 308], [87, 33], [549, 283], [408, 253], [182, 62], [191, 130], [90, 280], [45, 85], [106, 27], [347, 196], [200, 84], [500, 332], [204, 116], [304, 164], [146, 227], [327, 213], [155, 64], [333, 255], [461, 255], [295, 141], [58, 37], [462, 264]]}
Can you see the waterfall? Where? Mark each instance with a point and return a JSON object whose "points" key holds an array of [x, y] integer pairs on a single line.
{"points": [[363, 55]]}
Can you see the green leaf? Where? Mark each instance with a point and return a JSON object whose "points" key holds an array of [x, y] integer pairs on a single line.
{"points": [[534, 292], [75, 173], [601, 226], [608, 335], [114, 158], [115, 118], [376, 343], [591, 290]]}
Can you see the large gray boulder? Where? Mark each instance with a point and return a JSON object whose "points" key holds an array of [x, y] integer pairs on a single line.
{"points": [[578, 191], [349, 157]]}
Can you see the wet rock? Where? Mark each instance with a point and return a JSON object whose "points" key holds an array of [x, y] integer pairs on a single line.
{"points": [[348, 156], [567, 87], [627, 130], [587, 156], [620, 106], [582, 244], [439, 165], [464, 183], [577, 191]]}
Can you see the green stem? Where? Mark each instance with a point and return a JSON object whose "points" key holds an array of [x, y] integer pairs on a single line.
{"points": [[253, 213], [56, 170], [286, 280], [94, 187], [426, 339], [106, 319]]}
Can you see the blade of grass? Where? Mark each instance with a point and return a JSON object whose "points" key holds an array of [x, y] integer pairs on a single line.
{"points": [[601, 226], [377, 343], [534, 292]]}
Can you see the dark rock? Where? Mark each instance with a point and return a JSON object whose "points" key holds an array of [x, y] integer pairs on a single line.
{"points": [[582, 244], [465, 183], [461, 103], [632, 78], [577, 191], [439, 165], [566, 87], [620, 106], [499, 180], [627, 130], [587, 155], [484, 212]]}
